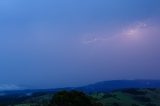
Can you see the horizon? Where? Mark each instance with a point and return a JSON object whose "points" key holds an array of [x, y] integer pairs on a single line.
{"points": [[12, 87], [55, 44]]}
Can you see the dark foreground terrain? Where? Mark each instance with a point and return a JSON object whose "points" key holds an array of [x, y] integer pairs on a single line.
{"points": [[106, 93], [124, 97]]}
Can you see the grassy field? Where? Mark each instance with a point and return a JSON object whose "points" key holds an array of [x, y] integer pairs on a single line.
{"points": [[130, 97]]}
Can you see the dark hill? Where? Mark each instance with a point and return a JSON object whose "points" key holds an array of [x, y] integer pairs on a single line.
{"points": [[105, 86]]}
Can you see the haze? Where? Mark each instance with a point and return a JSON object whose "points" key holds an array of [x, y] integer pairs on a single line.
{"points": [[63, 43]]}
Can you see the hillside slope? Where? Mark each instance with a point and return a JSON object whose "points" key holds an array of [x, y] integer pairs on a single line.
{"points": [[130, 97], [125, 97], [105, 86]]}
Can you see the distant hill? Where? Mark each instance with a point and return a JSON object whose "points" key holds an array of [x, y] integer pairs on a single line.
{"points": [[106, 86], [103, 86]]}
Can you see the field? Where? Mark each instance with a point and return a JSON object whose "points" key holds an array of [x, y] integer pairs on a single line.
{"points": [[130, 97]]}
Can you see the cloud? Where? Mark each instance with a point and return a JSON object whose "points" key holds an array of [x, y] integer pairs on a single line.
{"points": [[6, 87], [133, 32], [94, 40]]}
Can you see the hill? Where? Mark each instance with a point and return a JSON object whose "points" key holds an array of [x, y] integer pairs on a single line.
{"points": [[125, 97], [130, 97], [103, 86], [106, 86], [106, 92]]}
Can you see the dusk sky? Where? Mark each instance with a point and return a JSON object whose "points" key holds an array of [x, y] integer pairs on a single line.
{"points": [[63, 43]]}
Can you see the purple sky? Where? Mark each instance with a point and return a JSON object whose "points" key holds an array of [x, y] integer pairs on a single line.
{"points": [[59, 43]]}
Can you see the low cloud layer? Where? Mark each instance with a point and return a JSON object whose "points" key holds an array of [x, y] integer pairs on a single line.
{"points": [[6, 87]]}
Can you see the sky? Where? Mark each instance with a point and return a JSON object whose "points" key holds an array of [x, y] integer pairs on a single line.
{"points": [[65, 43]]}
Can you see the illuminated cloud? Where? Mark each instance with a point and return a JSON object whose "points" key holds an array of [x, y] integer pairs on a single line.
{"points": [[138, 31], [135, 31]]}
